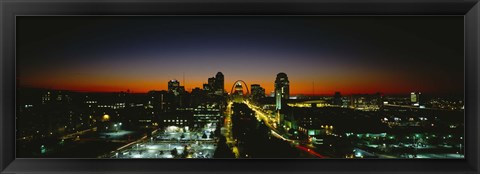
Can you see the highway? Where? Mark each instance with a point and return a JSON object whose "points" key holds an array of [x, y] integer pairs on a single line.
{"points": [[264, 117], [275, 132], [74, 135], [228, 133], [415, 107]]}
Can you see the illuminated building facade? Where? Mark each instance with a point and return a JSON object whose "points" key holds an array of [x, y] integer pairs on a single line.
{"points": [[282, 90], [206, 115], [366, 102], [282, 93], [216, 85], [173, 86], [219, 84], [178, 91], [415, 98]]}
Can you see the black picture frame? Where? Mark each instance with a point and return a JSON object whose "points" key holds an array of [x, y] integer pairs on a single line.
{"points": [[11, 8]]}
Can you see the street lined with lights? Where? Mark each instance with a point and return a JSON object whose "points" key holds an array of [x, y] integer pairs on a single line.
{"points": [[266, 119]]}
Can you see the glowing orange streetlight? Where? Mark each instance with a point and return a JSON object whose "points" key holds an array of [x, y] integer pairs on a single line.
{"points": [[105, 117]]}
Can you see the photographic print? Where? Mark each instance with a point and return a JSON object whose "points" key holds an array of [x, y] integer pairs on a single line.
{"points": [[215, 87]]}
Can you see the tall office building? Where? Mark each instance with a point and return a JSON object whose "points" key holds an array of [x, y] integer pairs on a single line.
{"points": [[257, 92], [282, 93], [160, 100], [216, 85], [282, 90], [207, 87], [337, 99], [211, 84], [173, 86], [219, 83], [415, 98], [208, 114]]}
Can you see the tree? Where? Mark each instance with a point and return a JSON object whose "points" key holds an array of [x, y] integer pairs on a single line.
{"points": [[185, 152], [174, 152], [223, 151]]}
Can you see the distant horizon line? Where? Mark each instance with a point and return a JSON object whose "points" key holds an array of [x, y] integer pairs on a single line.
{"points": [[266, 94]]}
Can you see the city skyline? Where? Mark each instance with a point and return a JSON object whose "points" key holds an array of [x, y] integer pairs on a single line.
{"points": [[111, 54], [179, 87]]}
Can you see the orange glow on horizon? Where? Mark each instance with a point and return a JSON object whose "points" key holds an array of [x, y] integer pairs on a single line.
{"points": [[298, 88], [322, 84]]}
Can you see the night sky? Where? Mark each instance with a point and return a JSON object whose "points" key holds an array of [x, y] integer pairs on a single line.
{"points": [[392, 55]]}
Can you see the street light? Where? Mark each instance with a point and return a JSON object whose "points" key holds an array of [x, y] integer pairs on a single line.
{"points": [[43, 150]]}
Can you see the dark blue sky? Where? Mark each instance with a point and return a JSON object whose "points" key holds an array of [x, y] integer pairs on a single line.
{"points": [[390, 54]]}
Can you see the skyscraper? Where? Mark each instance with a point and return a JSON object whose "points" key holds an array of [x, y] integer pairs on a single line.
{"points": [[206, 114], [219, 83], [207, 87], [173, 86], [337, 99], [415, 98], [282, 89], [257, 92], [211, 82]]}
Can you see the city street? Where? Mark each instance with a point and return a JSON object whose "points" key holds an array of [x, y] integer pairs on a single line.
{"points": [[268, 120], [228, 133]]}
